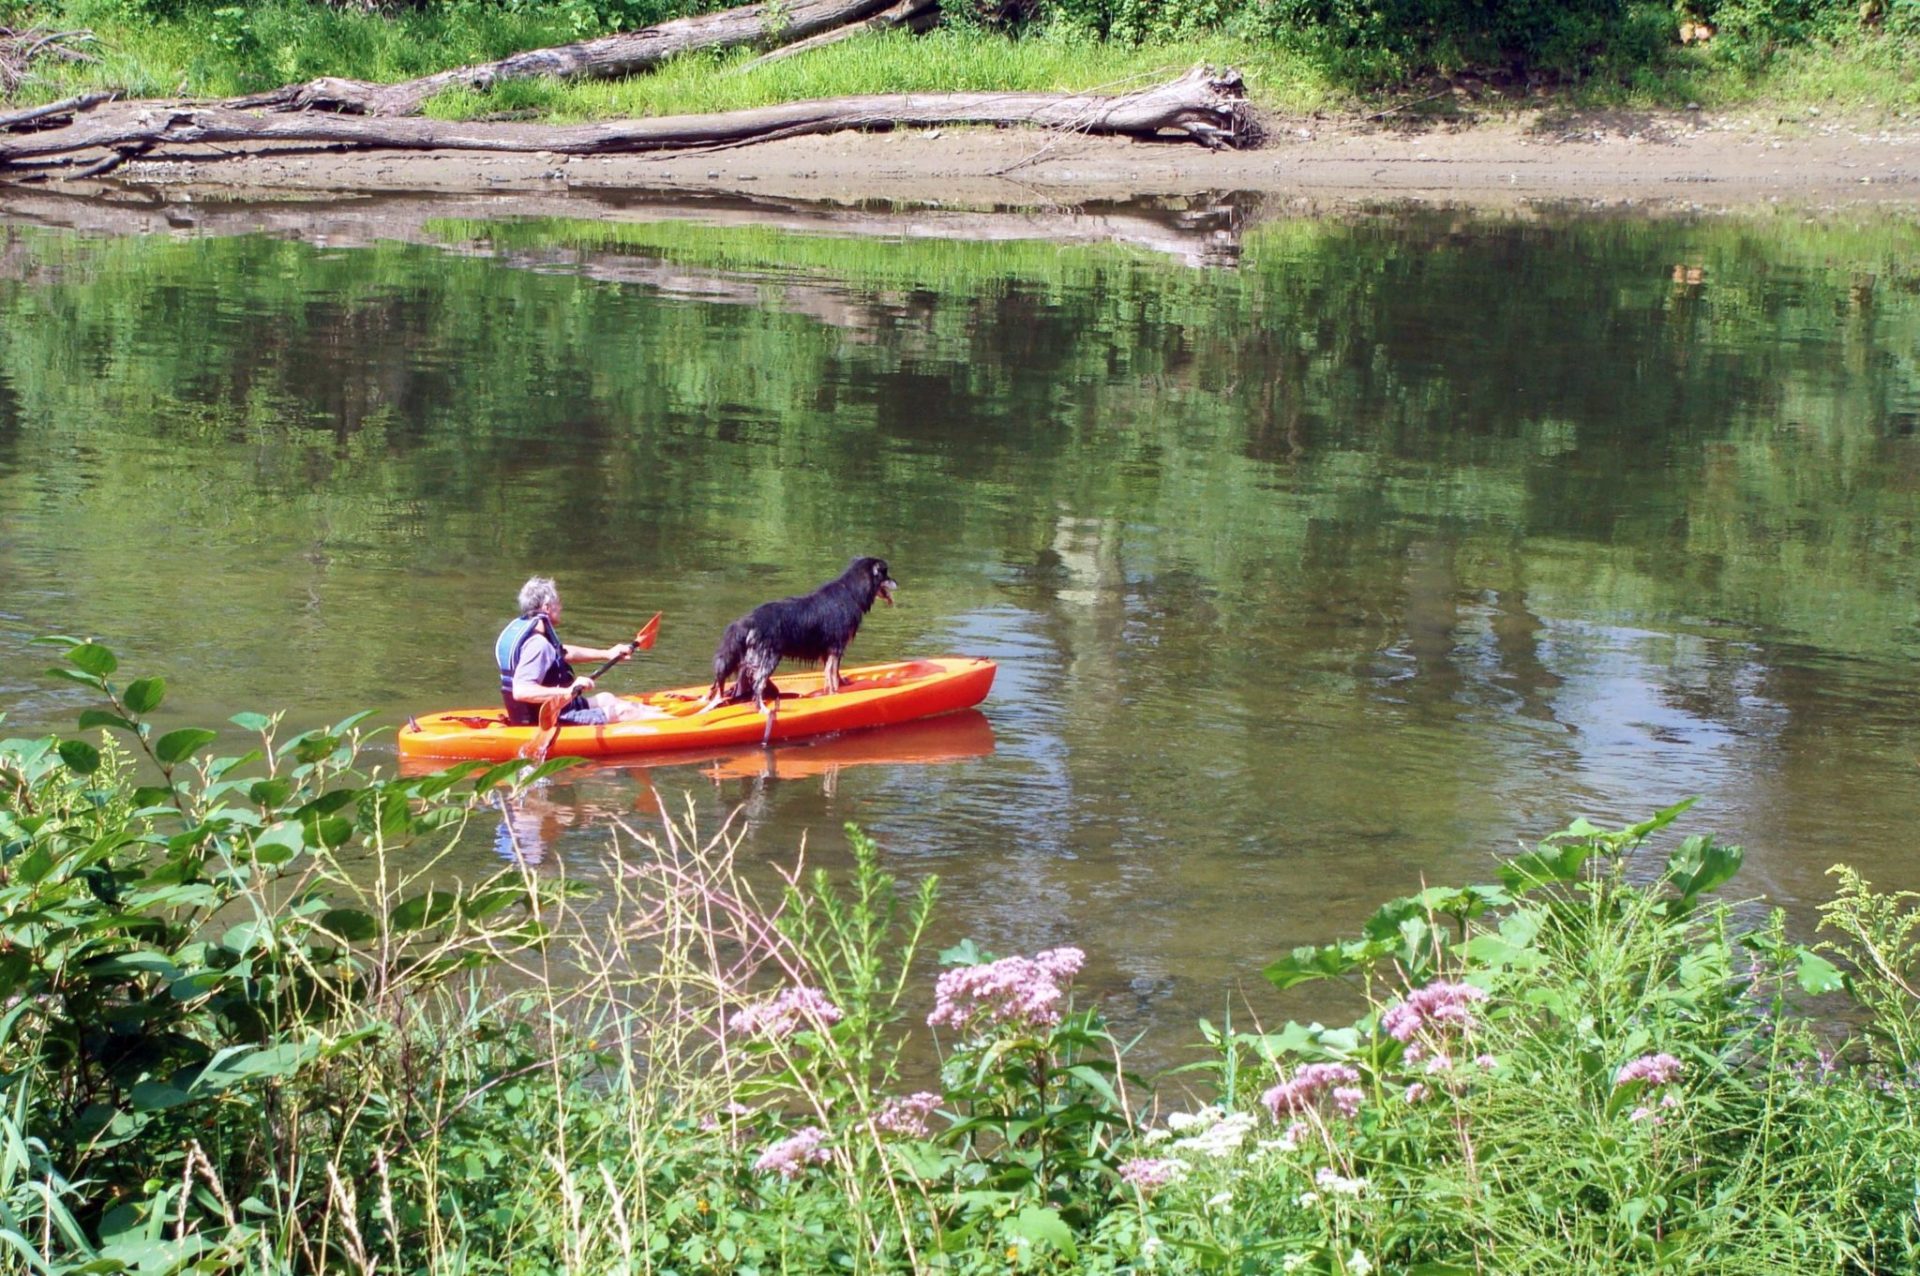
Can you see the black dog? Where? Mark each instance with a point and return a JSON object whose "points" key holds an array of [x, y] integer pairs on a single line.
{"points": [[816, 626]]}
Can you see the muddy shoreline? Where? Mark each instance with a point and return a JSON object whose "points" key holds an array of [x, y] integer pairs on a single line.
{"points": [[986, 183]]}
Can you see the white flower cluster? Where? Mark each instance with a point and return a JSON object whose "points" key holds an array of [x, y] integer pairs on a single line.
{"points": [[1217, 1134], [1330, 1181]]}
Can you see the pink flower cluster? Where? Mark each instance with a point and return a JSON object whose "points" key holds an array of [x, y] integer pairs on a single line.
{"points": [[791, 1011], [1654, 1069], [1022, 991], [1437, 1009], [790, 1156], [907, 1117], [1301, 1091], [1150, 1174]]}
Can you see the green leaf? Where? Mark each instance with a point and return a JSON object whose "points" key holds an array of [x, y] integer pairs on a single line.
{"points": [[964, 953], [81, 758], [328, 830], [270, 793], [350, 924], [280, 842], [143, 695], [75, 675], [1815, 973], [176, 747], [395, 819], [1041, 1225], [251, 721], [1330, 962], [1661, 819], [91, 718], [423, 910], [1700, 865], [315, 748], [94, 658]]}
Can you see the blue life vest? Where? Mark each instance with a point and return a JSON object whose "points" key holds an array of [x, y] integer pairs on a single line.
{"points": [[506, 654]]}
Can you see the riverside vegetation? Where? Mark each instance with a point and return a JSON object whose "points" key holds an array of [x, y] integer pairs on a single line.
{"points": [[1297, 54], [248, 1028]]}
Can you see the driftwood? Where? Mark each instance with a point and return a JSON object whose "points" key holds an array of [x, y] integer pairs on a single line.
{"points": [[1203, 106], [770, 25], [54, 114]]}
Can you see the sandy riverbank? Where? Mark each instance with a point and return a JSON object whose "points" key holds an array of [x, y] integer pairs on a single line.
{"points": [[1683, 158]]}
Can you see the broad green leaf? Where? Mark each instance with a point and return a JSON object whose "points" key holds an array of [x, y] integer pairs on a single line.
{"points": [[143, 695], [279, 842], [270, 793], [1815, 973], [94, 658], [251, 721], [423, 910], [91, 718], [350, 924], [964, 953], [176, 747], [81, 758], [75, 675], [328, 830], [1039, 1224], [1701, 864], [315, 747]]}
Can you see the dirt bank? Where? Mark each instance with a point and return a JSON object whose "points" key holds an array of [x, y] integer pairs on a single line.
{"points": [[1683, 158]]}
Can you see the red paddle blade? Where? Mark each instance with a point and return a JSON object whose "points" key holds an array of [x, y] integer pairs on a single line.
{"points": [[643, 641]]}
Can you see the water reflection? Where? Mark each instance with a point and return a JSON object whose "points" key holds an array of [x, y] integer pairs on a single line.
{"points": [[1400, 540], [593, 793]]}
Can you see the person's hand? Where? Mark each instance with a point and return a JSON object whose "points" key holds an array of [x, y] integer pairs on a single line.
{"points": [[581, 686], [621, 652]]}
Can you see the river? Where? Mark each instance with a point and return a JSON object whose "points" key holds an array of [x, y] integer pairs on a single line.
{"points": [[1322, 556]]}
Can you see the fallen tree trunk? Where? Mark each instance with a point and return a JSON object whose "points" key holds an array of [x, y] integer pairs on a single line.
{"points": [[1202, 106], [778, 22], [914, 15]]}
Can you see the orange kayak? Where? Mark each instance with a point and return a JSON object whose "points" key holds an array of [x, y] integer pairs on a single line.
{"points": [[869, 696]]}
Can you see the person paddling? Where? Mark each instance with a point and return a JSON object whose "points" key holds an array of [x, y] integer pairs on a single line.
{"points": [[536, 667]]}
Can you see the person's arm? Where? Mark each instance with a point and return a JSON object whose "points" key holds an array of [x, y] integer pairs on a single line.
{"points": [[592, 654]]}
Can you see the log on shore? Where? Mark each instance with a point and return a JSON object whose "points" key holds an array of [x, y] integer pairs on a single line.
{"points": [[768, 25], [1202, 106]]}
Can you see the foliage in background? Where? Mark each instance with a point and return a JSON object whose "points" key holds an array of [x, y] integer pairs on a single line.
{"points": [[215, 47]]}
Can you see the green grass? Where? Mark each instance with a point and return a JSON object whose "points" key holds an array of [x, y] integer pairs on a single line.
{"points": [[941, 61], [225, 51]]}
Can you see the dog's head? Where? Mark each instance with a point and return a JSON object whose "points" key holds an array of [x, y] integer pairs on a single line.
{"points": [[874, 579]]}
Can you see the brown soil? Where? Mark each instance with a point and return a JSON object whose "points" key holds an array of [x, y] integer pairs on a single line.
{"points": [[1176, 198]]}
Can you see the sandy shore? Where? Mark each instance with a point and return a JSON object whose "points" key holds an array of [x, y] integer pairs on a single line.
{"points": [[1685, 157], [987, 183]]}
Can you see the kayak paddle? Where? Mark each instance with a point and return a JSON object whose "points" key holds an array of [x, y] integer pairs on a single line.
{"points": [[550, 709]]}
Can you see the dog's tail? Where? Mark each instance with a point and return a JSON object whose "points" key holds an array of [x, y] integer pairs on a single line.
{"points": [[726, 659]]}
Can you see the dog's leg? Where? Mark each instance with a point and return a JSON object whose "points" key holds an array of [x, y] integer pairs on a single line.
{"points": [[833, 673], [757, 671]]}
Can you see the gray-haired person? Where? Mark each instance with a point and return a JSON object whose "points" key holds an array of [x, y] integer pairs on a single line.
{"points": [[535, 667]]}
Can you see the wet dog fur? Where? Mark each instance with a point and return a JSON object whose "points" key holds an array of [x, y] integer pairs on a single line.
{"points": [[812, 627]]}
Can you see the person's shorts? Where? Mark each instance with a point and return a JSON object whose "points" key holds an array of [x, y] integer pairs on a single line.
{"points": [[583, 717]]}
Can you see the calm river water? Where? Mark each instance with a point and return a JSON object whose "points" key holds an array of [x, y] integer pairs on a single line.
{"points": [[1322, 557]]}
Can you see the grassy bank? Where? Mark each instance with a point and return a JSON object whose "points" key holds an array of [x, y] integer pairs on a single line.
{"points": [[1296, 57], [250, 1028]]}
